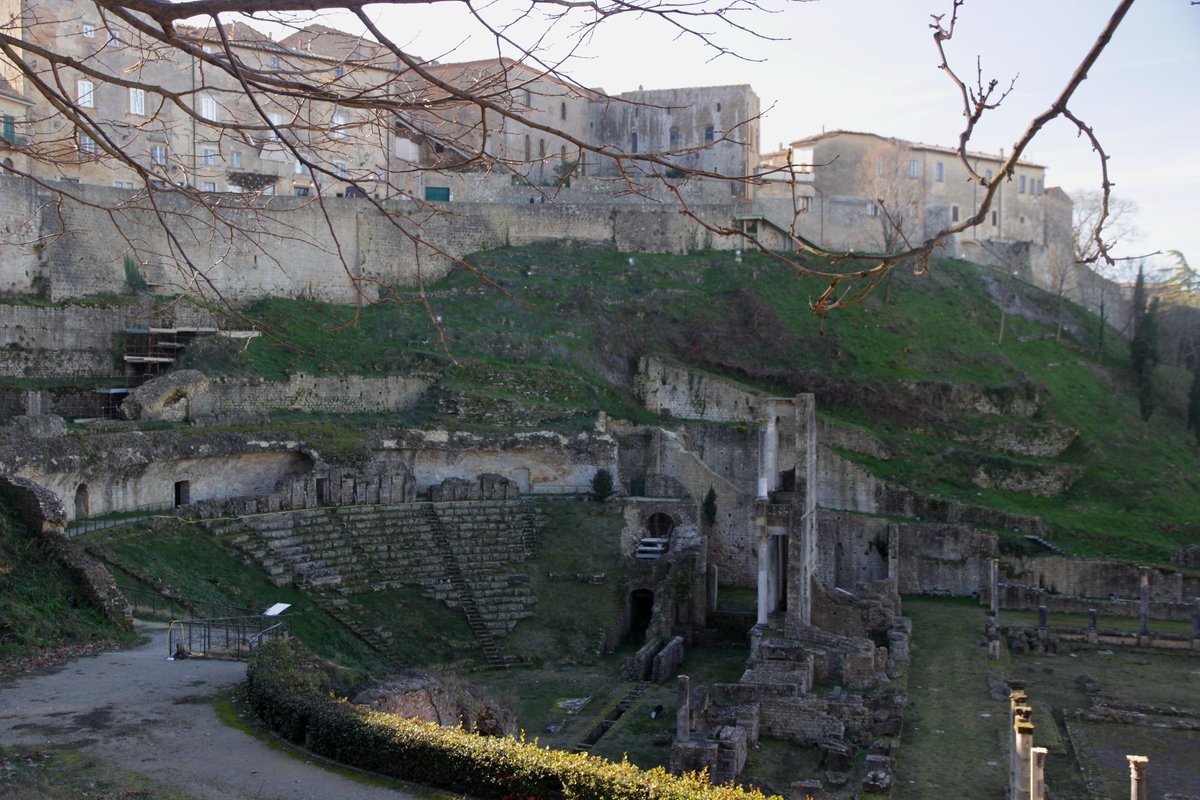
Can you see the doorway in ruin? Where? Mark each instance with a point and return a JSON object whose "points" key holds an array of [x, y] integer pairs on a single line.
{"points": [[322, 491], [183, 493], [641, 611], [660, 525], [81, 501]]}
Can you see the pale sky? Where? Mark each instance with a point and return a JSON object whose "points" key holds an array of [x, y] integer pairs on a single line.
{"points": [[871, 65]]}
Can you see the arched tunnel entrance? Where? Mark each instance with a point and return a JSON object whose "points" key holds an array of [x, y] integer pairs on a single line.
{"points": [[641, 610]]}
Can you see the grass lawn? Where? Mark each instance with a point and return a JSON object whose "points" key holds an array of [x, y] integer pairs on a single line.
{"points": [[952, 743]]}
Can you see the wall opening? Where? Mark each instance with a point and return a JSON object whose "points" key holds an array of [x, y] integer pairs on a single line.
{"points": [[323, 491], [81, 501], [660, 525], [641, 611], [183, 493]]}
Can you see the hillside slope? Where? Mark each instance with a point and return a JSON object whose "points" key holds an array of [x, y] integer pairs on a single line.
{"points": [[559, 341]]}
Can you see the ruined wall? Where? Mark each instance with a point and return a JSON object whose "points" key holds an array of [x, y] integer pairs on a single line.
{"points": [[105, 473], [943, 559], [538, 462], [1099, 579], [343, 394], [682, 392]]}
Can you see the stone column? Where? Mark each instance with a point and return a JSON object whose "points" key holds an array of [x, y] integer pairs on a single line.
{"points": [[1041, 618], [1022, 747], [1017, 711], [764, 577], [995, 584], [683, 712], [1037, 773], [769, 466], [1144, 605], [1137, 777], [1093, 635]]}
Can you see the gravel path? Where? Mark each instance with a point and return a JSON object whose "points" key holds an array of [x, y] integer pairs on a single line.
{"points": [[138, 711]]}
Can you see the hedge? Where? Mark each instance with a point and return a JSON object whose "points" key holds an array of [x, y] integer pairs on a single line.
{"points": [[290, 695]]}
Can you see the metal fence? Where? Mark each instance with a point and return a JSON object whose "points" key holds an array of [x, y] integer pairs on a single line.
{"points": [[229, 637], [81, 525], [156, 605]]}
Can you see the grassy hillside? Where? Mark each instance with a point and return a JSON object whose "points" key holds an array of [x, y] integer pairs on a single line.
{"points": [[559, 339]]}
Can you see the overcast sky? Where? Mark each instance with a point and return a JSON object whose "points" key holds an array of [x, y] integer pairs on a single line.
{"points": [[871, 65]]}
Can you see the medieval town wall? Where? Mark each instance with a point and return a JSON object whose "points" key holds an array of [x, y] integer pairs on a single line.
{"points": [[685, 393]]}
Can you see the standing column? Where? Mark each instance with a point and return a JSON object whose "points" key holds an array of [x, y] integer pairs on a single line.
{"points": [[1093, 636], [1196, 623], [769, 466], [1137, 777], [1144, 605], [995, 581], [1023, 745], [683, 711], [764, 577], [1037, 774]]}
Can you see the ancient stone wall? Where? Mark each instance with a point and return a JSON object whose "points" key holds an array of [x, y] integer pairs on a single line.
{"points": [[539, 463], [664, 386], [341, 394], [1099, 579], [943, 559], [1030, 598]]}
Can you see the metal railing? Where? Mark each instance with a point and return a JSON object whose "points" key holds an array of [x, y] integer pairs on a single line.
{"points": [[149, 603], [229, 637], [81, 525]]}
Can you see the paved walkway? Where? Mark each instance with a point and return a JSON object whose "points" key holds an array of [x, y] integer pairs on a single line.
{"points": [[137, 710]]}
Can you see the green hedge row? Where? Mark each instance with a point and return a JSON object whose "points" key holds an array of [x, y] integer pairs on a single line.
{"points": [[291, 695]]}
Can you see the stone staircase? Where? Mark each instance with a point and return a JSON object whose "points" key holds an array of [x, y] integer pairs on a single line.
{"points": [[458, 553]]}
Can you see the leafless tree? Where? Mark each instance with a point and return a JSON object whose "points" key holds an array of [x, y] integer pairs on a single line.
{"points": [[364, 116], [1120, 224], [883, 174]]}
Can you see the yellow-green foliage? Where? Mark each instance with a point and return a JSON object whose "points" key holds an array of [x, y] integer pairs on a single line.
{"points": [[290, 694]]}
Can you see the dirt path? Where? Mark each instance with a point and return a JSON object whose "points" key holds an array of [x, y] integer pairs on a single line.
{"points": [[143, 713]]}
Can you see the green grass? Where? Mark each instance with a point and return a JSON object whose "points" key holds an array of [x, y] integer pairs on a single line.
{"points": [[61, 773], [558, 343], [952, 743], [41, 604]]}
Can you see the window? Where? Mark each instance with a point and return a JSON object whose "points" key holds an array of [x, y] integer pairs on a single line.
{"points": [[718, 107], [122, 184], [210, 186], [87, 145], [340, 118], [709, 134], [208, 156], [995, 218], [633, 142], [940, 172], [276, 121], [10, 129], [85, 94], [298, 168], [914, 168], [1021, 189], [988, 174], [137, 101], [339, 71], [273, 61], [528, 99], [954, 213], [89, 31], [879, 166], [674, 138], [563, 110], [158, 154], [437, 194], [803, 204], [235, 159], [300, 191], [529, 151], [114, 37], [872, 210], [339, 168], [1041, 186], [208, 106]]}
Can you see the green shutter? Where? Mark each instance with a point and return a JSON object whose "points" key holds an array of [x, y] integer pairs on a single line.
{"points": [[437, 194]]}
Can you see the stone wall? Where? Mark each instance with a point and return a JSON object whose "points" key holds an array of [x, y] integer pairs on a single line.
{"points": [[663, 386], [540, 462], [291, 247], [943, 559], [342, 394], [1029, 598], [1098, 579]]}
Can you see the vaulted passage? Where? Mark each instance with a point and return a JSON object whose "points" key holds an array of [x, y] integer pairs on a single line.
{"points": [[641, 609]]}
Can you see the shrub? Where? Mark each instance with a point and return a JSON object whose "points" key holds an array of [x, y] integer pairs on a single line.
{"points": [[289, 693], [602, 485]]}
